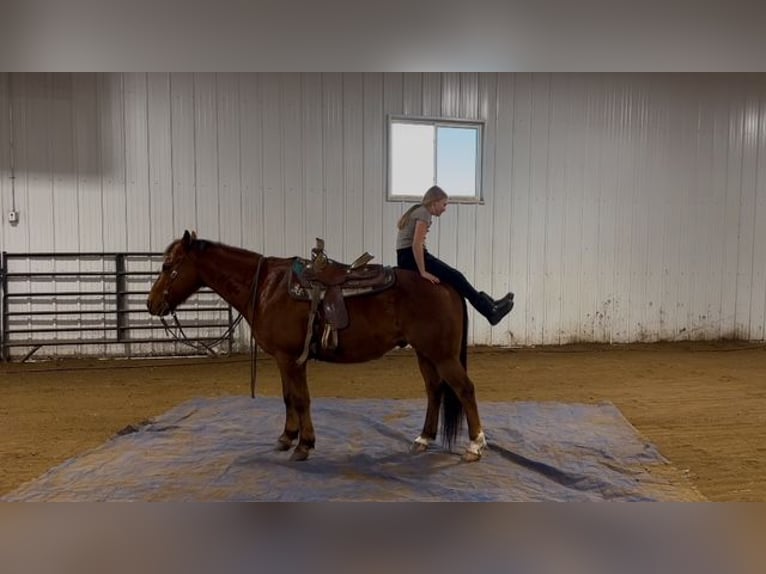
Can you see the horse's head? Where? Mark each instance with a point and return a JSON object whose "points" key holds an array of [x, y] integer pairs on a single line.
{"points": [[179, 278]]}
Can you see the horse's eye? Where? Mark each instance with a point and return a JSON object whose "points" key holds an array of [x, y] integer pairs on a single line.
{"points": [[174, 274]]}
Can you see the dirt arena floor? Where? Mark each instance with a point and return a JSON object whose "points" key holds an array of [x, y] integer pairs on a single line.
{"points": [[702, 405]]}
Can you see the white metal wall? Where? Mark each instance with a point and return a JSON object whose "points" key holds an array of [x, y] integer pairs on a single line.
{"points": [[617, 207]]}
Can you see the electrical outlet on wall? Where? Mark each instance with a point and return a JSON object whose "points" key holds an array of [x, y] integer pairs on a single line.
{"points": [[13, 216]]}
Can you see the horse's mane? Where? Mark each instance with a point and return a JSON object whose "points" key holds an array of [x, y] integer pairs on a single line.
{"points": [[170, 247], [205, 244]]}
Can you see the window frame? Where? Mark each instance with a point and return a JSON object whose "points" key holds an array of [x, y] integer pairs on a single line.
{"points": [[436, 122]]}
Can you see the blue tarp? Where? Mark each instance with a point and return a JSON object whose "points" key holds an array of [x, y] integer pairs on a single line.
{"points": [[222, 450]]}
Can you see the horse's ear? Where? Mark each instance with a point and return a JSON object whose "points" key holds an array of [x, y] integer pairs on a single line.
{"points": [[193, 235], [187, 239]]}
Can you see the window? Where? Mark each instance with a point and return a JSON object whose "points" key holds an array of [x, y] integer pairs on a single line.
{"points": [[423, 152]]}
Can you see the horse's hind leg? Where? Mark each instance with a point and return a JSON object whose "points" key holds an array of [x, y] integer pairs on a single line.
{"points": [[298, 404], [454, 374], [434, 392]]}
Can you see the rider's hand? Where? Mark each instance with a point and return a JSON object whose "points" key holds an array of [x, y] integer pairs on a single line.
{"points": [[432, 278]]}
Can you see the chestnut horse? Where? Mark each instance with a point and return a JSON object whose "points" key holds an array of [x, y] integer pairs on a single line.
{"points": [[430, 318]]}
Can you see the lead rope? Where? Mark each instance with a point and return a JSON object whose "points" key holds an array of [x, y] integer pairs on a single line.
{"points": [[253, 343], [200, 346]]}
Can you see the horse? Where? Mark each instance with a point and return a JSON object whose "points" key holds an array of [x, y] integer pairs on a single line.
{"points": [[432, 319]]}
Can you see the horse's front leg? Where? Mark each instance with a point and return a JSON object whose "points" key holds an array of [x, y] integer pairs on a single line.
{"points": [[434, 393], [290, 433], [298, 404]]}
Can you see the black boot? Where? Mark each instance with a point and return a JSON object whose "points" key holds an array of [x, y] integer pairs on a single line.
{"points": [[494, 311], [507, 297]]}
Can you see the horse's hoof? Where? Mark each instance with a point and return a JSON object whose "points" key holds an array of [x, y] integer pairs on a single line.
{"points": [[418, 447], [283, 445], [300, 453], [420, 444], [469, 456], [475, 448]]}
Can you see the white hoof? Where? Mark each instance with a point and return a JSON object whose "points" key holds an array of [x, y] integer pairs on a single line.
{"points": [[420, 444], [475, 448], [471, 457]]}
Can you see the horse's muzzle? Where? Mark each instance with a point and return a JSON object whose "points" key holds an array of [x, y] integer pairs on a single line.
{"points": [[161, 309]]}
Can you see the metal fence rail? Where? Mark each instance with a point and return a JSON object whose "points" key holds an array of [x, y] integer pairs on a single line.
{"points": [[95, 301]]}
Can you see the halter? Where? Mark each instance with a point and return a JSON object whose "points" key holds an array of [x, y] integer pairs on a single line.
{"points": [[196, 345], [172, 274]]}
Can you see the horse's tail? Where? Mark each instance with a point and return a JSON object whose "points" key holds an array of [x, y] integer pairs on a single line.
{"points": [[452, 408]]}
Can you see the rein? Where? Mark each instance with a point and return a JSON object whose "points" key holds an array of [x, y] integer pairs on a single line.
{"points": [[199, 345], [251, 308]]}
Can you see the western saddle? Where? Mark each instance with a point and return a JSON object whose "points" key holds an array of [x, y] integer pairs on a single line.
{"points": [[322, 280]]}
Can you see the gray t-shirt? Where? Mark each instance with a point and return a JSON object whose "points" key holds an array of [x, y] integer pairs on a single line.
{"points": [[406, 235]]}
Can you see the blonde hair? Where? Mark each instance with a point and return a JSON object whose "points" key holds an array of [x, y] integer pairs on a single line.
{"points": [[434, 194]]}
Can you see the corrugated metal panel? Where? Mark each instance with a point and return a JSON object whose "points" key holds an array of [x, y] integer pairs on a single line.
{"points": [[712, 175], [159, 137], [608, 306], [34, 144], [87, 168], [568, 93], [618, 207], [486, 109], [206, 156], [14, 238], [432, 107], [432, 93], [229, 190], [374, 171], [313, 168], [113, 158], [182, 146], [538, 248], [654, 199], [332, 153], [393, 101], [412, 94], [295, 240], [5, 152], [273, 197], [519, 100], [747, 122], [137, 172], [65, 216], [756, 122], [447, 246], [251, 138], [467, 245], [137, 163], [35, 159], [498, 190], [251, 173], [89, 195], [353, 164]]}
